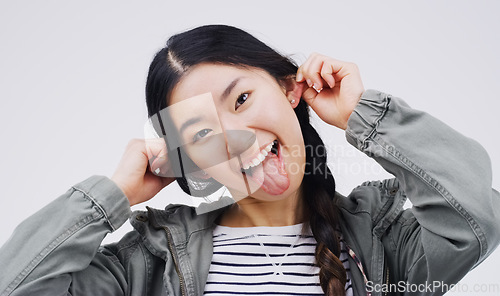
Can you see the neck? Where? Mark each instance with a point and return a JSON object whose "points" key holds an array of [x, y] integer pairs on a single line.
{"points": [[250, 212]]}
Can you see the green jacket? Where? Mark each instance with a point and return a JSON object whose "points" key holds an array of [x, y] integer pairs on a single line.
{"points": [[454, 223]]}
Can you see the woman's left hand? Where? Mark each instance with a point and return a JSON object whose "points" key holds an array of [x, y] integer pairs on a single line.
{"points": [[331, 87]]}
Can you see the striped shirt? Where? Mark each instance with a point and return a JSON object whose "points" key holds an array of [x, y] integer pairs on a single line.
{"points": [[266, 261]]}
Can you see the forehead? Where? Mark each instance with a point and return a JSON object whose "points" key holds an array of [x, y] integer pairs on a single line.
{"points": [[211, 78]]}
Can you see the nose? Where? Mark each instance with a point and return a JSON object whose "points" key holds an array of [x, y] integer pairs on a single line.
{"points": [[238, 141]]}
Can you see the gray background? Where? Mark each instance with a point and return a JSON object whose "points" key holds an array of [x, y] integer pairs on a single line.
{"points": [[72, 77]]}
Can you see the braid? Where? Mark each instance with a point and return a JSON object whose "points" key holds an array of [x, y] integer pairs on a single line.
{"points": [[221, 44], [320, 189]]}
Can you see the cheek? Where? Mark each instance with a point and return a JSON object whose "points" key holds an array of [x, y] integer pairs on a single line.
{"points": [[286, 126], [224, 174], [275, 112], [239, 186], [280, 119], [209, 153]]}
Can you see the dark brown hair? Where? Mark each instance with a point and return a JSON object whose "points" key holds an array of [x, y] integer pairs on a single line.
{"points": [[221, 44]]}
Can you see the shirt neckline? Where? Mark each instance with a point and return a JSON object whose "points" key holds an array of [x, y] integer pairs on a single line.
{"points": [[272, 230]]}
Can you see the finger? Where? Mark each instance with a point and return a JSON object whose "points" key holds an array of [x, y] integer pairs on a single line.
{"points": [[327, 74], [300, 71], [312, 72], [156, 151], [341, 69], [161, 167], [299, 76], [310, 95], [301, 87], [155, 147]]}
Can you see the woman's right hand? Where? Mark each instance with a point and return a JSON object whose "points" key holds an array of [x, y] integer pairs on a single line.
{"points": [[134, 177]]}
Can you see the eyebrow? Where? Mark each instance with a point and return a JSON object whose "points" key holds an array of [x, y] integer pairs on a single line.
{"points": [[229, 88], [188, 123]]}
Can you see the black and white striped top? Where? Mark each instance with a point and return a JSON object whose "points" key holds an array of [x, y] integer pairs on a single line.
{"points": [[266, 261]]}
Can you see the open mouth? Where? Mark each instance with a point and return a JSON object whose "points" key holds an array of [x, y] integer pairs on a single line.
{"points": [[248, 169]]}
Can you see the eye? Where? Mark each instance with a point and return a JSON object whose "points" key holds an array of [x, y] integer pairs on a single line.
{"points": [[240, 100], [199, 135]]}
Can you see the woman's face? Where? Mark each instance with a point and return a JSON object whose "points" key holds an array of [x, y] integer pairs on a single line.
{"points": [[228, 119]]}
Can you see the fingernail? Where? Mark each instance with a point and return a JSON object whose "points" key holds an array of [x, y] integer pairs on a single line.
{"points": [[330, 83], [317, 89], [299, 77], [309, 82]]}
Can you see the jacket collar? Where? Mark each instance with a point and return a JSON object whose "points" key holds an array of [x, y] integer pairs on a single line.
{"points": [[183, 239], [180, 220], [370, 212]]}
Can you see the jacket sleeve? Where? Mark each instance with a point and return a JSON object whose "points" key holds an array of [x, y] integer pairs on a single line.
{"points": [[58, 244], [454, 223]]}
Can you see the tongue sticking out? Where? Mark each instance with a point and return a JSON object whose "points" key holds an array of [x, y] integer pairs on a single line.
{"points": [[273, 175]]}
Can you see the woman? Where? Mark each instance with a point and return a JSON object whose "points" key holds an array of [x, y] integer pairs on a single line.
{"points": [[233, 112]]}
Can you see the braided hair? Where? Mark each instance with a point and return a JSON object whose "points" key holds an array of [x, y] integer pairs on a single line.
{"points": [[221, 44]]}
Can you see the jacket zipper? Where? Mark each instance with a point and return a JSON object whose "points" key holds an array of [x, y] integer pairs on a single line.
{"points": [[176, 263], [386, 279]]}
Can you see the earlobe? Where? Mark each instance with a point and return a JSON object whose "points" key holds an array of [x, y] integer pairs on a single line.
{"points": [[294, 91]]}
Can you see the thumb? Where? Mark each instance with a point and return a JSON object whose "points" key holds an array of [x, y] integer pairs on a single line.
{"points": [[309, 95]]}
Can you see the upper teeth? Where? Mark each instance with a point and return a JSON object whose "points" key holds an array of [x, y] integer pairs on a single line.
{"points": [[259, 158]]}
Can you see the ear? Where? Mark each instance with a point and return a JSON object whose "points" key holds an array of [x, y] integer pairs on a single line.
{"points": [[293, 90]]}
